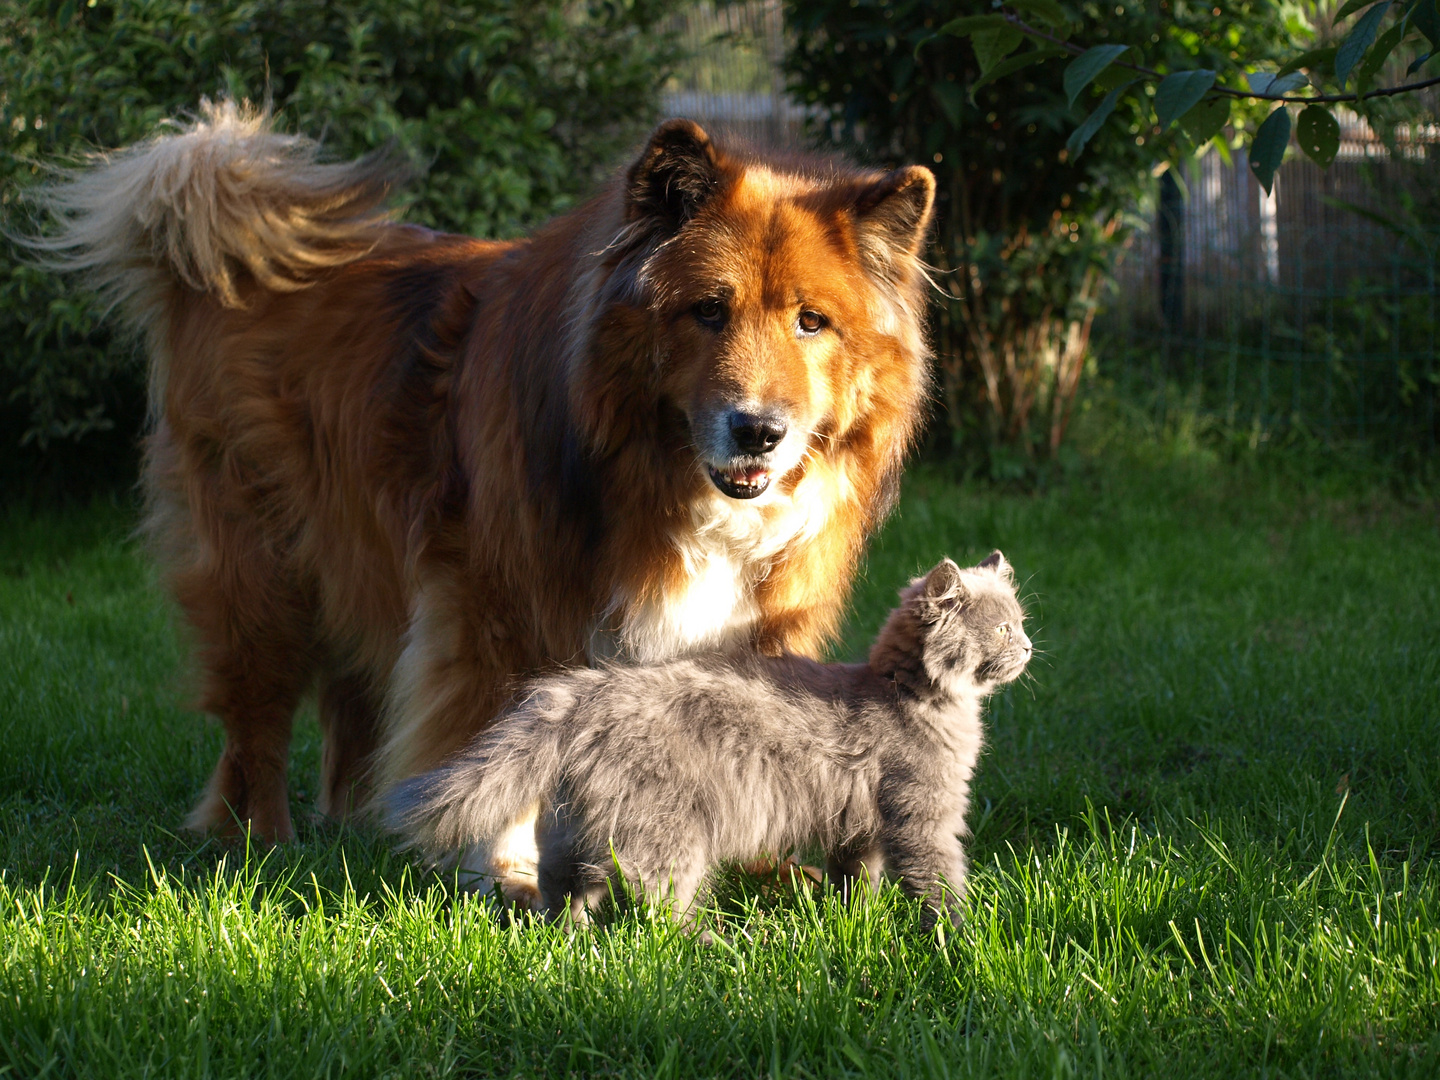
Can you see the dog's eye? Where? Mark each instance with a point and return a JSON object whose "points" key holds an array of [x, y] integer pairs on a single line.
{"points": [[710, 311], [811, 322]]}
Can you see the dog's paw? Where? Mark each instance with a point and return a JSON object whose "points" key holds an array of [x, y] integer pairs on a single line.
{"points": [[783, 873]]}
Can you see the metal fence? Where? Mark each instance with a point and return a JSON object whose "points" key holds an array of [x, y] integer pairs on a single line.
{"points": [[1298, 310], [734, 83]]}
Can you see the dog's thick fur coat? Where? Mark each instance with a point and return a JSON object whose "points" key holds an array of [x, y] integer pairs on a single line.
{"points": [[414, 467], [657, 773]]}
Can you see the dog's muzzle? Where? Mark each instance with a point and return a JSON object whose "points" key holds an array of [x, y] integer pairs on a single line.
{"points": [[753, 438]]}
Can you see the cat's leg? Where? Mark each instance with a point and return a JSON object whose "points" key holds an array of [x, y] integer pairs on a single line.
{"points": [[680, 882], [586, 899], [691, 892], [566, 874], [930, 863], [553, 875], [855, 868]]}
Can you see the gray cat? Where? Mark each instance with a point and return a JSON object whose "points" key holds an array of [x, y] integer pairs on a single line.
{"points": [[666, 770]]}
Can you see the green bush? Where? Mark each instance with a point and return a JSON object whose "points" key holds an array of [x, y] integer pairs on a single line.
{"points": [[507, 110], [1027, 229]]}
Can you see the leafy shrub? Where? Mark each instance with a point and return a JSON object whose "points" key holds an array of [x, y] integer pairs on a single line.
{"points": [[508, 111], [1027, 229]]}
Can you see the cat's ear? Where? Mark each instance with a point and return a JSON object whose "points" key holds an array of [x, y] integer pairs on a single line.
{"points": [[941, 589], [996, 562]]}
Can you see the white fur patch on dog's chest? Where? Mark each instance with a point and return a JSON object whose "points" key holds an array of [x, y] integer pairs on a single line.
{"points": [[715, 609], [728, 548]]}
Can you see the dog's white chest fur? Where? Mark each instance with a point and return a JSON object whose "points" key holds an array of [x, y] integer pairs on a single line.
{"points": [[727, 548], [714, 608]]}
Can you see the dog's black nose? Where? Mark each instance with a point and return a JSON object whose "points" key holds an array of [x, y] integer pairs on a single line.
{"points": [[756, 434]]}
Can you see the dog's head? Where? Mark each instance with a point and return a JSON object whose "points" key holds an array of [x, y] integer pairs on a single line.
{"points": [[777, 301]]}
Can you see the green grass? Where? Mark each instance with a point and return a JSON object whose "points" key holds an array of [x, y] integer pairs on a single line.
{"points": [[1205, 834]]}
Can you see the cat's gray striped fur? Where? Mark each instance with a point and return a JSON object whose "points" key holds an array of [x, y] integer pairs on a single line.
{"points": [[670, 768]]}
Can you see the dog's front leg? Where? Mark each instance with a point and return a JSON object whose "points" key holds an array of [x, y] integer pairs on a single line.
{"points": [[511, 863]]}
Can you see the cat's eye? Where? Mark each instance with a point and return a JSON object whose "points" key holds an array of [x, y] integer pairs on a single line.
{"points": [[1003, 629]]}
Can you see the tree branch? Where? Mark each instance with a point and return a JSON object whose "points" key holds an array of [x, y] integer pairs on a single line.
{"points": [[1323, 99]]}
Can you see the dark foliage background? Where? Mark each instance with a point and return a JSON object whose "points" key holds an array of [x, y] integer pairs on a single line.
{"points": [[1026, 232], [508, 111]]}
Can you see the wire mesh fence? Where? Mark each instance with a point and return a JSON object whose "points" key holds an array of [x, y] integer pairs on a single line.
{"points": [[1309, 309], [734, 83]]}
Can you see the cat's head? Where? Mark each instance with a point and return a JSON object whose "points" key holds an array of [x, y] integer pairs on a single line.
{"points": [[961, 626]]}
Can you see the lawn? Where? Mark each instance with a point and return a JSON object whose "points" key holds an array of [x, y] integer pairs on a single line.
{"points": [[1205, 833]]}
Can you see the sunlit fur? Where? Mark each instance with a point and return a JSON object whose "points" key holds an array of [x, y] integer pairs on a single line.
{"points": [[413, 467], [658, 772]]}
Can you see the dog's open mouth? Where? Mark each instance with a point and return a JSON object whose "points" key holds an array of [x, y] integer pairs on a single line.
{"points": [[742, 483]]}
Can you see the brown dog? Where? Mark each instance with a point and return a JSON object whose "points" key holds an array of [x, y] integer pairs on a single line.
{"points": [[414, 466]]}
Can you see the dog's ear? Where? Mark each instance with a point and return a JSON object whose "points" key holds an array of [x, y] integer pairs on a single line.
{"points": [[893, 213], [673, 177]]}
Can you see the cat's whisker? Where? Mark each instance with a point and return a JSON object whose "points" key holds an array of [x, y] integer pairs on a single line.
{"points": [[1026, 597]]}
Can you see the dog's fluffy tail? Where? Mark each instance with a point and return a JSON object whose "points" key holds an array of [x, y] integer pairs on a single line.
{"points": [[495, 782], [206, 203]]}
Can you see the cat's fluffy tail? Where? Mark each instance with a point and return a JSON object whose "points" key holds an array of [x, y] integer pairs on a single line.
{"points": [[493, 783]]}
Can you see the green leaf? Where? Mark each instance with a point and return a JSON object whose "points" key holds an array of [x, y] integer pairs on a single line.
{"points": [[1359, 39], [1048, 11], [992, 46], [1112, 77], [1351, 6], [951, 99], [1179, 93], [1205, 120], [915, 53], [1264, 82], [1012, 64], [969, 24], [1425, 17], [1081, 71], [1418, 63], [1381, 52], [1268, 149], [1318, 134], [1313, 59], [1091, 124]]}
